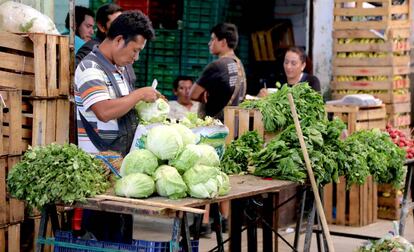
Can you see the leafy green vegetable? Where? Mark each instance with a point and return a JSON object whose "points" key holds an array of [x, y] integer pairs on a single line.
{"points": [[135, 185], [169, 182], [187, 159], [202, 181], [186, 134], [141, 160], [276, 110], [56, 173], [164, 141], [223, 182], [191, 120], [208, 155], [152, 112], [238, 153]]}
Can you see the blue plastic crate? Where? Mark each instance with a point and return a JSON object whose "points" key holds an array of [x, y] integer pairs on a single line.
{"points": [[66, 240]]}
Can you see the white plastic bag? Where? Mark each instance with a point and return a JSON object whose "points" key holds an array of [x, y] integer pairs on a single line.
{"points": [[20, 18]]}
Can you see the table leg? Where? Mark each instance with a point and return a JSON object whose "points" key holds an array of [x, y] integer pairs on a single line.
{"points": [[268, 217], [215, 211], [185, 233], [235, 225], [309, 229], [300, 219], [251, 219], [405, 205], [175, 240]]}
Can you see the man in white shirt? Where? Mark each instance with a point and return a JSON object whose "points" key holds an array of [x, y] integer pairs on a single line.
{"points": [[183, 104]]}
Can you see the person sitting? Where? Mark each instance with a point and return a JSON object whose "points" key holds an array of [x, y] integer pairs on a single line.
{"points": [[183, 104], [84, 22], [294, 65]]}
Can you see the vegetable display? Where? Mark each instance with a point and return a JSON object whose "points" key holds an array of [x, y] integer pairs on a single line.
{"points": [[56, 173], [142, 161], [169, 182], [401, 140], [135, 185], [276, 110], [152, 112]]}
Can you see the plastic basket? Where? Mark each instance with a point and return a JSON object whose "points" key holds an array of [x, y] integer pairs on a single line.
{"points": [[65, 242]]}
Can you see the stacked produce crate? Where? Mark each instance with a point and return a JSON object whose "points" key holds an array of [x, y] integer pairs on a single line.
{"points": [[371, 54], [34, 84]]}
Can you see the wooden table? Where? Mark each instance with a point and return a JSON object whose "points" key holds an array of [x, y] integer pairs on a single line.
{"points": [[242, 188]]}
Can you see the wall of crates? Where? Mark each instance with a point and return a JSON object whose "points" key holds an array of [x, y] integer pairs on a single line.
{"points": [[182, 34], [371, 54]]}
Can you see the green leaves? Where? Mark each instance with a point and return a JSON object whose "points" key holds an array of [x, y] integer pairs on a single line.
{"points": [[56, 173]]}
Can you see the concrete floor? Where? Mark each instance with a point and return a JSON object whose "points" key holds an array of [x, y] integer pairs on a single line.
{"points": [[159, 229]]}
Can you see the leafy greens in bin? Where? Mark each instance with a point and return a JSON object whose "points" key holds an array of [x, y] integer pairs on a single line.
{"points": [[56, 173]]}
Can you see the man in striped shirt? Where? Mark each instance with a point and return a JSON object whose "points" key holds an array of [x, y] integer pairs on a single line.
{"points": [[104, 96]]}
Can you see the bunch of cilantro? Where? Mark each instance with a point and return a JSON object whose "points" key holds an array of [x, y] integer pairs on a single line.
{"points": [[56, 173]]}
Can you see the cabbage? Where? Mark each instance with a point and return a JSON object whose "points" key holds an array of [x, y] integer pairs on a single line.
{"points": [[136, 185], [143, 161], [152, 112], [169, 182], [164, 141], [202, 181], [223, 182], [17, 18], [187, 135], [187, 159], [209, 156]]}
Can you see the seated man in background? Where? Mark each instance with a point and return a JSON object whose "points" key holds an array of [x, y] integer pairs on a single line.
{"points": [[183, 104]]}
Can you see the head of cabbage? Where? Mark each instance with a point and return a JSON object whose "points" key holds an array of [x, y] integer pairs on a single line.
{"points": [[202, 181], [223, 182], [208, 156], [153, 112], [164, 141], [140, 160], [169, 183], [136, 185], [187, 158], [186, 134]]}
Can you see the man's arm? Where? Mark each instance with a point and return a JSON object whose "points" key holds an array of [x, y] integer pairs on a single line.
{"points": [[115, 108], [198, 93]]}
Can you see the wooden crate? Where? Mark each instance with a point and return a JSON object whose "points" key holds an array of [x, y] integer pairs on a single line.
{"points": [[389, 59], [240, 120], [355, 15], [358, 118], [389, 206], [371, 71], [387, 96], [36, 63], [395, 40], [354, 207], [10, 238]]}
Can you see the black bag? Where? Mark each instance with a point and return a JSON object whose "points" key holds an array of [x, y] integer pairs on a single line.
{"points": [[127, 124]]}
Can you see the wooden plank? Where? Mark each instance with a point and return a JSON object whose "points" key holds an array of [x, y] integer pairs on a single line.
{"points": [[363, 204], [370, 85], [16, 62], [229, 121], [51, 121], [370, 207], [244, 120], [371, 70], [26, 133], [24, 144], [374, 202], [51, 61], [395, 108], [341, 202], [353, 33], [62, 121], [39, 41], [371, 114], [374, 124], [19, 42], [15, 108], [258, 122], [14, 237], [2, 147], [354, 207], [3, 186], [327, 202], [16, 206], [39, 122], [17, 81], [64, 73], [389, 60], [3, 239]]}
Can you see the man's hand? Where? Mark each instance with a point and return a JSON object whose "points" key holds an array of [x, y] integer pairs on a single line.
{"points": [[147, 94]]}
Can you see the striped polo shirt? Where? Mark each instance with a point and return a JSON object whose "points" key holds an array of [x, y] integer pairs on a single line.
{"points": [[92, 85]]}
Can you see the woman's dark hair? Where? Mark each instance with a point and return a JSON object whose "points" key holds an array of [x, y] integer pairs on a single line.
{"points": [[80, 13], [131, 24], [102, 16], [227, 31], [180, 78]]}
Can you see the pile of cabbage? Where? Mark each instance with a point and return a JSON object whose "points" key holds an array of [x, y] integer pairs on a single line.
{"points": [[173, 165]]}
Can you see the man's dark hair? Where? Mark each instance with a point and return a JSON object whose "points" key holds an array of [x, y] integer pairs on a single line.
{"points": [[131, 24], [80, 13], [180, 78], [226, 31], [102, 16]]}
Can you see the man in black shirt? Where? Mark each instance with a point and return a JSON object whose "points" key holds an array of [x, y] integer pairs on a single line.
{"points": [[223, 82]]}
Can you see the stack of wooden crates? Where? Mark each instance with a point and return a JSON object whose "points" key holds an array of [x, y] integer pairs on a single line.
{"points": [[34, 85], [371, 55]]}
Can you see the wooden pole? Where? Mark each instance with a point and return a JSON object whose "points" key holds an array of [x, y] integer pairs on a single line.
{"points": [[151, 203], [315, 190]]}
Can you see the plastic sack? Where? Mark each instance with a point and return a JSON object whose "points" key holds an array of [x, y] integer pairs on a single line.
{"points": [[20, 18]]}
